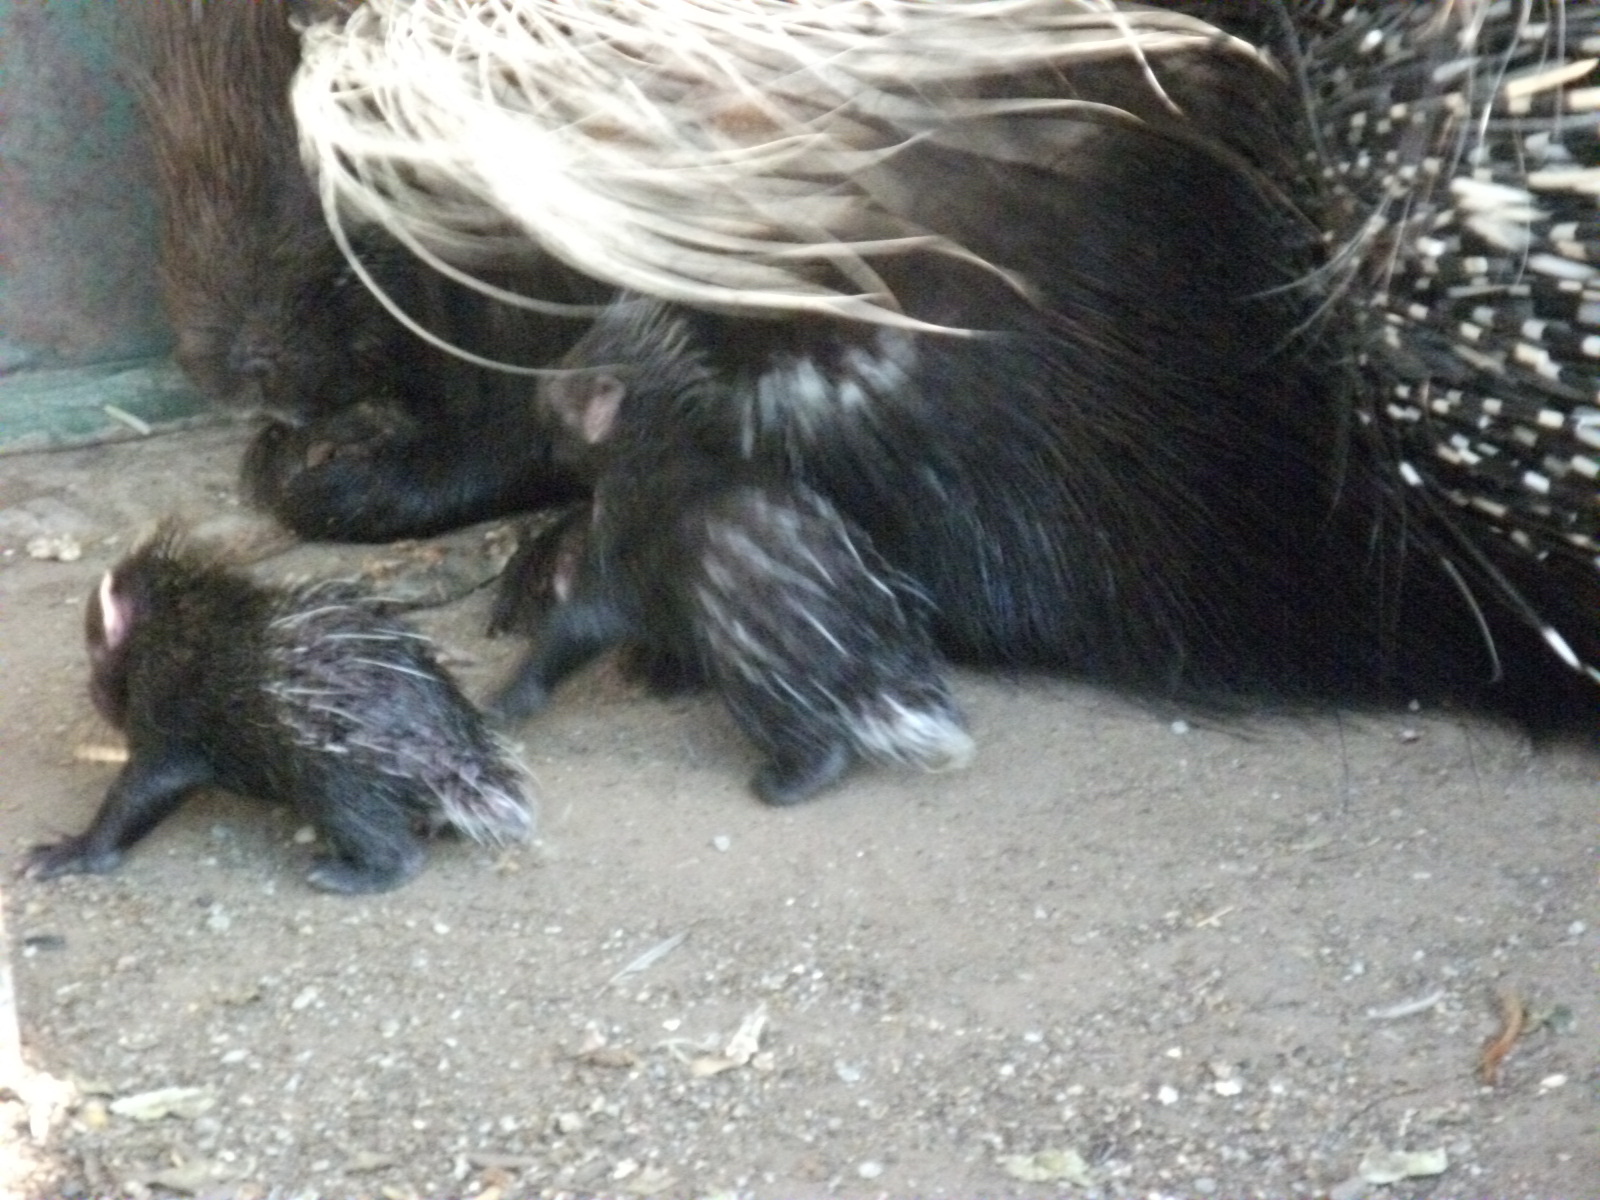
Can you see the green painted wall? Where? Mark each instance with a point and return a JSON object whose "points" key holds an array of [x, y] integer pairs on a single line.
{"points": [[80, 317]]}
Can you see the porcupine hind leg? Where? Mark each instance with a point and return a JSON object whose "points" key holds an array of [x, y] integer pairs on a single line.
{"points": [[576, 631], [541, 575], [818, 649], [373, 844]]}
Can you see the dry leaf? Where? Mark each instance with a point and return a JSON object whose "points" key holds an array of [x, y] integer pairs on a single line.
{"points": [[185, 1102], [1391, 1166], [1048, 1166], [1513, 1020]]}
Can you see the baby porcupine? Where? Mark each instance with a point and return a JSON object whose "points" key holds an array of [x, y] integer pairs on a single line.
{"points": [[311, 696], [721, 569]]}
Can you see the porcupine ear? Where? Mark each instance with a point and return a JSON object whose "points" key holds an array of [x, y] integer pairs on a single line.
{"points": [[587, 403], [606, 393], [110, 614]]}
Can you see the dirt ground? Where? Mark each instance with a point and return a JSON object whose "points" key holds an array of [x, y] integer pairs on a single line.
{"points": [[1123, 954]]}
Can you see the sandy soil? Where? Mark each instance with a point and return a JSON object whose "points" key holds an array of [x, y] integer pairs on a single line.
{"points": [[1124, 954]]}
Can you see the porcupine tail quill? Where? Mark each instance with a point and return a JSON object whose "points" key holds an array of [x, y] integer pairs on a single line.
{"points": [[1459, 146]]}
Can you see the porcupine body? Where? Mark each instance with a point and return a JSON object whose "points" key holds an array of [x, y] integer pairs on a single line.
{"points": [[1459, 155], [715, 569], [309, 696], [1159, 460], [369, 432]]}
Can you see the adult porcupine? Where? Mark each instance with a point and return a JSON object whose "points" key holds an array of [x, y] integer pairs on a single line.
{"points": [[819, 650], [1168, 457], [1460, 152], [370, 432], [310, 696]]}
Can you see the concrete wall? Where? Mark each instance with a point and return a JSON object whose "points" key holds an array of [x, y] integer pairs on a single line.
{"points": [[78, 299]]}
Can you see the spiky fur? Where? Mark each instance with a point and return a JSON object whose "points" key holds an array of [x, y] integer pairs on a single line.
{"points": [[817, 648], [718, 569], [310, 696], [728, 152], [1460, 154], [1147, 467]]}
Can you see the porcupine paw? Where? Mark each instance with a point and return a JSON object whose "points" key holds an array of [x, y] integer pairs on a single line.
{"points": [[293, 469], [347, 877], [662, 673], [539, 574], [70, 856], [789, 779], [525, 695]]}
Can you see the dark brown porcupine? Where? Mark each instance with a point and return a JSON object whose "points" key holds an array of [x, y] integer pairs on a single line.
{"points": [[311, 696], [1458, 151], [267, 312], [369, 431]]}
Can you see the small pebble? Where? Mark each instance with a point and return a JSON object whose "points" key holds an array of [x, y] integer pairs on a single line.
{"points": [[1351, 1189], [721, 842], [60, 547], [870, 1170]]}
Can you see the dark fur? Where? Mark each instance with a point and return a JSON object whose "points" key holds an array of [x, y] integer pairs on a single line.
{"points": [[713, 570], [371, 433], [540, 573], [267, 313], [1156, 475], [808, 638], [310, 697]]}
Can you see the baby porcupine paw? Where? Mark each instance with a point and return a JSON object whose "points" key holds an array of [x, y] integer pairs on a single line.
{"points": [[518, 700], [331, 873], [789, 780], [70, 856]]}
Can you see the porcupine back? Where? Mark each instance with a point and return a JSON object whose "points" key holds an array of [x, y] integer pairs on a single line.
{"points": [[1459, 151], [1153, 481], [345, 680], [282, 687]]}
